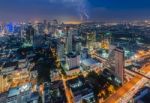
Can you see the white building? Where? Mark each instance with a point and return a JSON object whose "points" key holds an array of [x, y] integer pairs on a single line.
{"points": [[73, 60]]}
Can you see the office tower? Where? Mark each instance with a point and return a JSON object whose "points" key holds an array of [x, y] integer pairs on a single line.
{"points": [[119, 63], [38, 41], [1, 28], [30, 33], [84, 53], [40, 28], [116, 62], [22, 31], [54, 22], [36, 27], [105, 40], [52, 26], [69, 40], [91, 39], [78, 46], [45, 24], [72, 60], [60, 49]]}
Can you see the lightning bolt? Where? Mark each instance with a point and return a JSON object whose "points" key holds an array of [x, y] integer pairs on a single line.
{"points": [[83, 10], [81, 6]]}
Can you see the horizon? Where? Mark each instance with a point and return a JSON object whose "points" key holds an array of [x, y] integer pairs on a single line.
{"points": [[75, 21]]}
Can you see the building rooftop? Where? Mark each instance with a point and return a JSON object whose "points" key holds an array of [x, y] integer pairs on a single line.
{"points": [[71, 55], [3, 94], [13, 92], [3, 97], [34, 96], [10, 64], [89, 62], [57, 92], [17, 90], [79, 87]]}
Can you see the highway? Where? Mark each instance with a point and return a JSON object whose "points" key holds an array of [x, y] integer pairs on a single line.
{"points": [[129, 89], [67, 92], [67, 89]]}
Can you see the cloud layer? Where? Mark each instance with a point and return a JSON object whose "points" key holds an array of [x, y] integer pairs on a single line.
{"points": [[74, 9]]}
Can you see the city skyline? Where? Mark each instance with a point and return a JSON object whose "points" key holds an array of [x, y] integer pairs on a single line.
{"points": [[74, 51], [74, 10]]}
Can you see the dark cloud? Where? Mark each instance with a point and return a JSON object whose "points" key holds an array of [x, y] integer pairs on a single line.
{"points": [[71, 9]]}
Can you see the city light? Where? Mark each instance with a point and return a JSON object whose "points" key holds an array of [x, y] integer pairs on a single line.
{"points": [[74, 51]]}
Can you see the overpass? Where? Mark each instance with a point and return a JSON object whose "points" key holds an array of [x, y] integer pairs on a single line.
{"points": [[129, 89]]}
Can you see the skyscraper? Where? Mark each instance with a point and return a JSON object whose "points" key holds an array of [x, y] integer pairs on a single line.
{"points": [[106, 40], [1, 29], [116, 63], [73, 60], [30, 33], [119, 63], [69, 40], [60, 49], [91, 39]]}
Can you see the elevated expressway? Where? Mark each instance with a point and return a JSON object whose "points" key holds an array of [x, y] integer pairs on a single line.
{"points": [[129, 89]]}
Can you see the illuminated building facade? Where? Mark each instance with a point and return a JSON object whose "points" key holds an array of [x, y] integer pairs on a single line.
{"points": [[69, 40], [73, 60], [119, 63], [105, 40]]}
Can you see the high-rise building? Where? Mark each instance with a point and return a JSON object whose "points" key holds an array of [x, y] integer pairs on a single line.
{"points": [[78, 47], [54, 22], [40, 28], [73, 60], [1, 28], [60, 49], [106, 40], [52, 26], [84, 53], [119, 63], [30, 31], [69, 40], [45, 23], [38, 41], [116, 63], [91, 39]]}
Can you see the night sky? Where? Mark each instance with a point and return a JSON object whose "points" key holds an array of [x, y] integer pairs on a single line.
{"points": [[74, 10]]}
